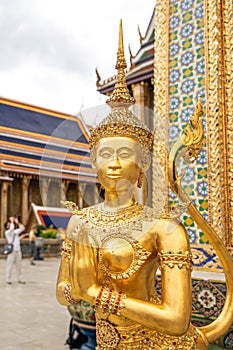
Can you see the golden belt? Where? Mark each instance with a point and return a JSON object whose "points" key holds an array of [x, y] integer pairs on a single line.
{"points": [[138, 337]]}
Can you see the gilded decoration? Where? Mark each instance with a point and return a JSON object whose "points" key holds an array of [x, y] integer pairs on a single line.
{"points": [[134, 338], [214, 112], [219, 26], [200, 65], [160, 155], [175, 259], [228, 41]]}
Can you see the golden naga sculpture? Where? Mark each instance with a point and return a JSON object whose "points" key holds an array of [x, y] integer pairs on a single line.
{"points": [[113, 249]]}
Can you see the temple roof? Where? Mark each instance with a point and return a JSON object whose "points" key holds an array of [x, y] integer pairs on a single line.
{"points": [[141, 65], [42, 142]]}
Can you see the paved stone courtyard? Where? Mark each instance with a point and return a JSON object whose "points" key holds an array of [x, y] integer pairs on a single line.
{"points": [[30, 316]]}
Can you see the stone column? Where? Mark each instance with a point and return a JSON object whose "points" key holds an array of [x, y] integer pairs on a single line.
{"points": [[4, 205], [81, 191], [139, 94], [25, 184], [44, 185], [96, 195], [64, 186]]}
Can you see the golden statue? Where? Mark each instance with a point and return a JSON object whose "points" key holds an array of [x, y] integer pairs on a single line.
{"points": [[113, 249]]}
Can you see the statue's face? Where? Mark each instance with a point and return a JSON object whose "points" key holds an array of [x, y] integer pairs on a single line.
{"points": [[117, 162]]}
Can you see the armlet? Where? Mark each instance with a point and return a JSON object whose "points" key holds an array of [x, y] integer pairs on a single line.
{"points": [[172, 259]]}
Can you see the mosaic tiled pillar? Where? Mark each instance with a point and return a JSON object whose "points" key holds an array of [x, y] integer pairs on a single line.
{"points": [[193, 51]]}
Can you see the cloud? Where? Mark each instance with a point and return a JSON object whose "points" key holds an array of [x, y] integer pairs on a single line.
{"points": [[50, 48], [28, 36]]}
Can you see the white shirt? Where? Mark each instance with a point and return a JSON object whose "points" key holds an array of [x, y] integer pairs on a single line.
{"points": [[11, 233]]}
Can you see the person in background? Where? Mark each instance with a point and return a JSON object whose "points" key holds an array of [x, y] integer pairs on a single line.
{"points": [[32, 239], [13, 231]]}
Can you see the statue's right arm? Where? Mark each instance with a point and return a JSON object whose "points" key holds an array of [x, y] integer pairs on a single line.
{"points": [[64, 276]]}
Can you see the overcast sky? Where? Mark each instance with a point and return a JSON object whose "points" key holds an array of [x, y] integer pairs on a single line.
{"points": [[50, 48]]}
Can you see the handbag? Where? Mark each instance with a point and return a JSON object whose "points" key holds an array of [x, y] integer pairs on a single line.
{"points": [[9, 247]]}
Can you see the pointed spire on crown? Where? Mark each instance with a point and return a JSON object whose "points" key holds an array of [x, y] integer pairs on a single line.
{"points": [[121, 121], [120, 95]]}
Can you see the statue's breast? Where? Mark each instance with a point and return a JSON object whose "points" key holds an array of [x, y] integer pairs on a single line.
{"points": [[117, 254], [120, 258]]}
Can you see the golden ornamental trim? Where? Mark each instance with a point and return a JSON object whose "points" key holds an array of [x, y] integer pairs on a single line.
{"points": [[161, 103]]}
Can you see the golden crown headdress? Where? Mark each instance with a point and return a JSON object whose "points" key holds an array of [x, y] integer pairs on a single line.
{"points": [[121, 121]]}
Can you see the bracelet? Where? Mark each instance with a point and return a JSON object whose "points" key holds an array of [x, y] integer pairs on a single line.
{"points": [[67, 291], [172, 259], [66, 249], [98, 298], [109, 301]]}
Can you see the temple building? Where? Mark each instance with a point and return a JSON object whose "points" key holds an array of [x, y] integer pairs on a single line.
{"points": [[44, 159], [140, 74]]}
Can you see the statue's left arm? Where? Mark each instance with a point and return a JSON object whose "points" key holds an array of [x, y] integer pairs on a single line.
{"points": [[173, 315]]}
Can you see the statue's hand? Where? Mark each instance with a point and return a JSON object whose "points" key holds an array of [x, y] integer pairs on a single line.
{"points": [[83, 267]]}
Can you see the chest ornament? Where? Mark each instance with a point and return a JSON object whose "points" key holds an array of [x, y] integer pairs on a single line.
{"points": [[106, 227], [140, 255]]}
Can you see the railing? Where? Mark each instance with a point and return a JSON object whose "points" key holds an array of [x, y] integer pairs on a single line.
{"points": [[50, 248]]}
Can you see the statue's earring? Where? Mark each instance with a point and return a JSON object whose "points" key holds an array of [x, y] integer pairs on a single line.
{"points": [[140, 179]]}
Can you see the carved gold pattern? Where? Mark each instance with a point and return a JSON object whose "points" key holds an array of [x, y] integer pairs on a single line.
{"points": [[66, 249], [219, 73], [71, 206], [161, 102], [103, 218], [107, 335], [139, 257], [122, 122], [98, 84], [175, 211], [139, 337], [67, 292], [109, 301], [104, 226], [228, 93], [120, 94], [172, 259], [193, 134]]}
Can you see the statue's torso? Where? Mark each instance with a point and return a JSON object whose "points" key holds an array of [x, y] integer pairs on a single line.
{"points": [[127, 246]]}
